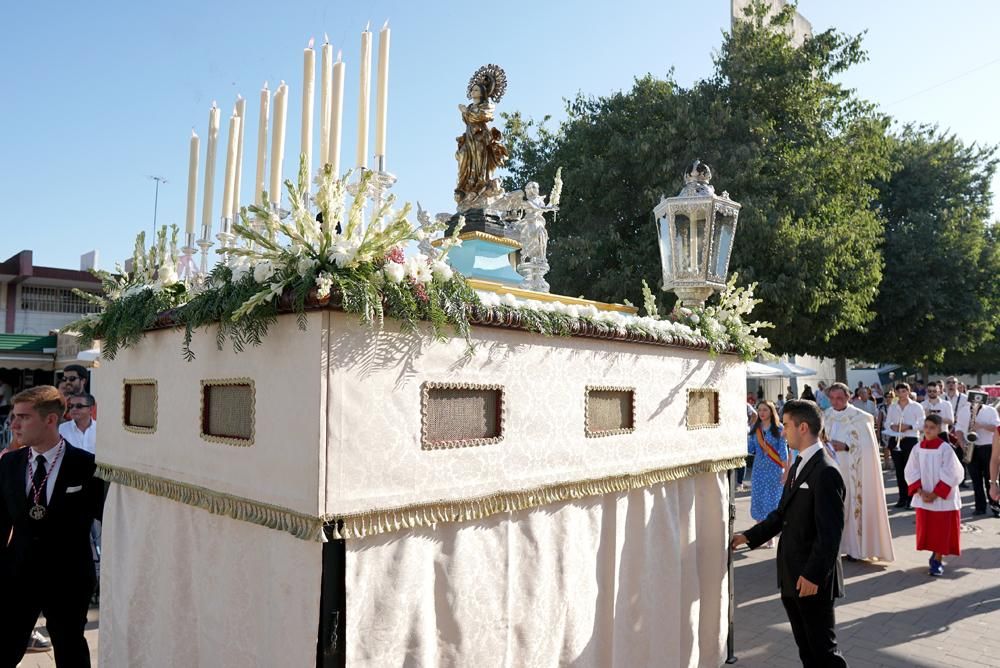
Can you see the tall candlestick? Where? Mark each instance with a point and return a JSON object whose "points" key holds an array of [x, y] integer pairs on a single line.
{"points": [[364, 98], [278, 142], [230, 183], [192, 182], [213, 138], [325, 101], [382, 92], [308, 97], [265, 112], [336, 115], [241, 111]]}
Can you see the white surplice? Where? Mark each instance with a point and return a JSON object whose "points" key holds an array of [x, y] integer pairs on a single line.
{"points": [[866, 529]]}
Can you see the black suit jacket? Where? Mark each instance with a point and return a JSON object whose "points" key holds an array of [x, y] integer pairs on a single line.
{"points": [[810, 518], [62, 539]]}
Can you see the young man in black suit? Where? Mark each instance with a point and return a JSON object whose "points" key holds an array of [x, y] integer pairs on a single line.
{"points": [[49, 498], [810, 519]]}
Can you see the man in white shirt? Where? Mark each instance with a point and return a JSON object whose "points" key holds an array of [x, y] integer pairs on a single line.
{"points": [[935, 405], [984, 426], [81, 429], [902, 424], [954, 396]]}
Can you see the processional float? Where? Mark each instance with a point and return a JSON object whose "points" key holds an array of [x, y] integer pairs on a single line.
{"points": [[544, 487]]}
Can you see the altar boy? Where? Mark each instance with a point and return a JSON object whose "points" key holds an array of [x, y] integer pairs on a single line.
{"points": [[933, 473]]}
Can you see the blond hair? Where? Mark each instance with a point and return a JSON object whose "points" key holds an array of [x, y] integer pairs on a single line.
{"points": [[44, 398]]}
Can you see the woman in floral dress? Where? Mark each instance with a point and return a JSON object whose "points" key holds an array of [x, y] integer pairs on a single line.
{"points": [[771, 462]]}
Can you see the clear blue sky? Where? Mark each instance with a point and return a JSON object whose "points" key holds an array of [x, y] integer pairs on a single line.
{"points": [[98, 96]]}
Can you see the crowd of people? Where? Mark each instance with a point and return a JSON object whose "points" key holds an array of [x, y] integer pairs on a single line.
{"points": [[828, 503], [48, 459]]}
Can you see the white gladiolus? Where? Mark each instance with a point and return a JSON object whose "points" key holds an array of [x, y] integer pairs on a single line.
{"points": [[442, 271], [394, 273], [324, 282], [263, 271], [305, 265], [167, 275]]}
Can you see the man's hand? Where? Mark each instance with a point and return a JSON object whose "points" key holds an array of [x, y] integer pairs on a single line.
{"points": [[805, 588], [995, 491], [928, 497], [738, 539], [840, 446]]}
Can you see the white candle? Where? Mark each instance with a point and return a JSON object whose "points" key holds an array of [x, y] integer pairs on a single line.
{"points": [[278, 142], [229, 184], [308, 97], [192, 181], [364, 98], [382, 92], [336, 115], [213, 138], [241, 111], [265, 112], [325, 100]]}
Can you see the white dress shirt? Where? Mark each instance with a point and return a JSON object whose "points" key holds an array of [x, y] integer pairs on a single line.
{"points": [[85, 440], [987, 415], [912, 414], [53, 462], [807, 454], [940, 407]]}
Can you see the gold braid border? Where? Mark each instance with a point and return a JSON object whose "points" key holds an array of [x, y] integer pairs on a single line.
{"points": [[388, 520], [377, 522], [298, 524]]}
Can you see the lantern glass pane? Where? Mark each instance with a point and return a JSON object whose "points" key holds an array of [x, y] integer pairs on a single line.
{"points": [[722, 243], [682, 243], [666, 248], [699, 244]]}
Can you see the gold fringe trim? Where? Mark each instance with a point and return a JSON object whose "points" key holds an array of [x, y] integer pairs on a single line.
{"points": [[298, 524], [377, 522]]}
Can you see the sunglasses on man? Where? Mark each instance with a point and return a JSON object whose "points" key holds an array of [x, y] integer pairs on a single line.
{"points": [[78, 406], [72, 379]]}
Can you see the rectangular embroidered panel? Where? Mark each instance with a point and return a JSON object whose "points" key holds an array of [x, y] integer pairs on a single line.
{"points": [[228, 411], [456, 415], [610, 411], [139, 406], [702, 408]]}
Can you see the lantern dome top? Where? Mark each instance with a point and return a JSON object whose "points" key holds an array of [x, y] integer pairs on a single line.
{"points": [[697, 180]]}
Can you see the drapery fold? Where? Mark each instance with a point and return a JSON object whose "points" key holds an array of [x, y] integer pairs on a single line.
{"points": [[628, 579]]}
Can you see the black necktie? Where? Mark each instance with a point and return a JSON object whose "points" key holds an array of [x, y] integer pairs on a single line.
{"points": [[38, 481], [795, 469]]}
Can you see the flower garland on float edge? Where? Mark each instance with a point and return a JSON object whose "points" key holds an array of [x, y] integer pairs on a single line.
{"points": [[298, 258]]}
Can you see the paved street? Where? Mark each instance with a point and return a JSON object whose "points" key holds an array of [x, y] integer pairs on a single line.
{"points": [[894, 615]]}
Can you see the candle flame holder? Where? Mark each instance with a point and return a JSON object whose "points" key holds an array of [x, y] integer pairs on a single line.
{"points": [[187, 268], [226, 238], [378, 185], [205, 243]]}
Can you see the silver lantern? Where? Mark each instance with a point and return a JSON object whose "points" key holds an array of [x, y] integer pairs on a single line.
{"points": [[696, 230]]}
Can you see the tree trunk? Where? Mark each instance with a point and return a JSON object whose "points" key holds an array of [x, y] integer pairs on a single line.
{"points": [[841, 370]]}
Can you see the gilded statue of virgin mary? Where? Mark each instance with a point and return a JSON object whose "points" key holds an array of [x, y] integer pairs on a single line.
{"points": [[480, 152]]}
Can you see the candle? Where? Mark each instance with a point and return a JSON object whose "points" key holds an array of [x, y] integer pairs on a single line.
{"points": [[382, 93], [336, 115], [213, 137], [230, 182], [241, 111], [278, 141], [325, 100], [364, 98], [265, 112], [308, 90], [192, 181]]}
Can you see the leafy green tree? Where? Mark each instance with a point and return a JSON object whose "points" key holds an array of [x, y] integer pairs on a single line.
{"points": [[797, 149], [939, 292]]}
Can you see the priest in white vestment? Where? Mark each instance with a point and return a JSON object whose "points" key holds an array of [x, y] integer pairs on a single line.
{"points": [[851, 432]]}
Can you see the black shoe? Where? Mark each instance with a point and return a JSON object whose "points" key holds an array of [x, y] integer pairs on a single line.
{"points": [[38, 643], [851, 559], [909, 507], [977, 512], [901, 504], [963, 485]]}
